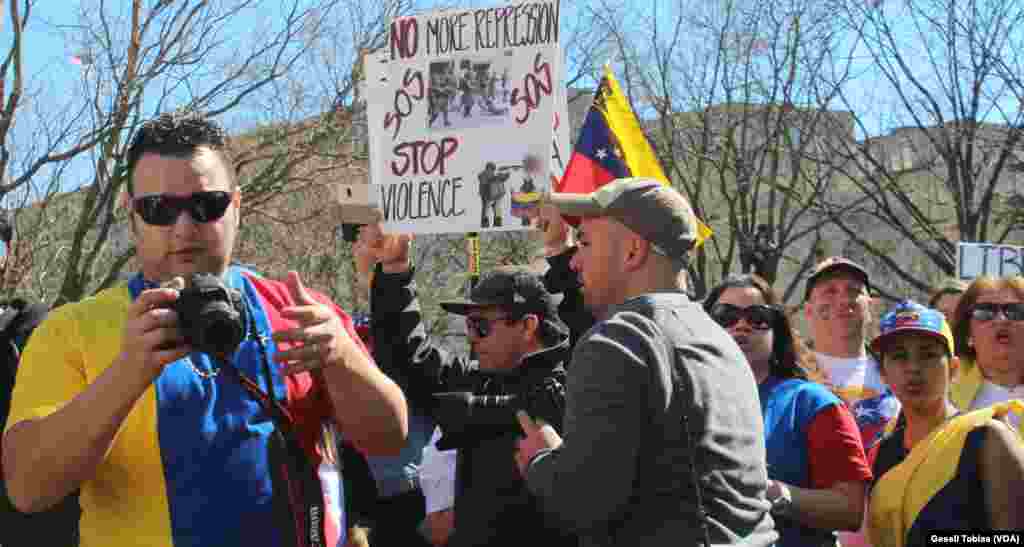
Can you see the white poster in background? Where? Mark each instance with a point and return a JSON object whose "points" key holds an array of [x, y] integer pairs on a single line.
{"points": [[561, 143], [977, 259], [460, 107]]}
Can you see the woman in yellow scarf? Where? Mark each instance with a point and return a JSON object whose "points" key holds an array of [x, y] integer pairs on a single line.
{"points": [[988, 328], [938, 469]]}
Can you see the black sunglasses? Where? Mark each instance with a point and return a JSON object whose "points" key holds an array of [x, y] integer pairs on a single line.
{"points": [[987, 311], [482, 327], [759, 316], [164, 209]]}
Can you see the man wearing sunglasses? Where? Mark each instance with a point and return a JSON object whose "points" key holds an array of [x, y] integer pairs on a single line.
{"points": [[664, 440], [171, 446], [521, 344]]}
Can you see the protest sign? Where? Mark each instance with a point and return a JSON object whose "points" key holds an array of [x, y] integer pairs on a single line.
{"points": [[460, 107], [977, 259], [525, 204]]}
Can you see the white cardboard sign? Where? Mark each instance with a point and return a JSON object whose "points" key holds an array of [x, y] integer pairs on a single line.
{"points": [[460, 107], [977, 259]]}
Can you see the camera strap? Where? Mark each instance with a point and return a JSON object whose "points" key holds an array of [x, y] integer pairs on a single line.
{"points": [[298, 497]]}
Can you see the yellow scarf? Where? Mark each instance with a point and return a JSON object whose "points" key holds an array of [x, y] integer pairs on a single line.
{"points": [[967, 385], [900, 495]]}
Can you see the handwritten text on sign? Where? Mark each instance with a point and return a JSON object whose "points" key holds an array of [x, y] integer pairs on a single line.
{"points": [[977, 259], [461, 117], [528, 24]]}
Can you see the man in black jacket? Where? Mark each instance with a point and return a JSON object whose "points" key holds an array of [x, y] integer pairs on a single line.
{"points": [[514, 327]]}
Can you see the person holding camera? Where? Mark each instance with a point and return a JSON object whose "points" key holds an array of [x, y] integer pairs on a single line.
{"points": [[174, 436], [521, 345]]}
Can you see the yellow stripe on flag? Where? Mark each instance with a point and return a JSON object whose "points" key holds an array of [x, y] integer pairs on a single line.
{"points": [[639, 154]]}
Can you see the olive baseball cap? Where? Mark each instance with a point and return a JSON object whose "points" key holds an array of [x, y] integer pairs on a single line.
{"points": [[655, 211]]}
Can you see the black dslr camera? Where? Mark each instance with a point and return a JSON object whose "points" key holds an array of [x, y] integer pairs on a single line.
{"points": [[211, 315]]}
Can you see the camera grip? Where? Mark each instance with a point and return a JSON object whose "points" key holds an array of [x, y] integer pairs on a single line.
{"points": [[546, 401]]}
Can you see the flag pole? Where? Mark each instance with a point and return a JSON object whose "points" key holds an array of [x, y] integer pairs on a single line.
{"points": [[473, 260], [473, 268]]}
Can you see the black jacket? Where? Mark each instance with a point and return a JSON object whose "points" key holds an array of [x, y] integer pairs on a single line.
{"points": [[560, 279], [492, 505]]}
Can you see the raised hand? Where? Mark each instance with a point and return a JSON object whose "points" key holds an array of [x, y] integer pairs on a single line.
{"points": [[390, 250], [319, 339]]}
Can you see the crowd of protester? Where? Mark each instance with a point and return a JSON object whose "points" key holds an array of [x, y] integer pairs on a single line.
{"points": [[600, 404]]}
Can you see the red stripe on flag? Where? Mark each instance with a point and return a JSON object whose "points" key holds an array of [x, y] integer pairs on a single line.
{"points": [[584, 175]]}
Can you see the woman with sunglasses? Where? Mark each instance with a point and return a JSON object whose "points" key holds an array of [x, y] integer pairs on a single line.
{"points": [[938, 469], [988, 328], [816, 464]]}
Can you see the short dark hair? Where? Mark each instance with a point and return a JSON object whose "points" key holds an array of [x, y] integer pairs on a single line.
{"points": [[178, 134]]}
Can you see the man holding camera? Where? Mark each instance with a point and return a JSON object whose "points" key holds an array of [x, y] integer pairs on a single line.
{"points": [[522, 345], [172, 445]]}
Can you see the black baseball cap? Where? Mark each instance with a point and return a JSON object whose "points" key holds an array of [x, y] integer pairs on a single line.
{"points": [[514, 289], [834, 264]]}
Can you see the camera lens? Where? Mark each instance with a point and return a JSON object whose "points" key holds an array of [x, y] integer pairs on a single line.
{"points": [[219, 330], [210, 316]]}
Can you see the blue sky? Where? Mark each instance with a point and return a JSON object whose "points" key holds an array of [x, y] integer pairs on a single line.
{"points": [[49, 47], [53, 74]]}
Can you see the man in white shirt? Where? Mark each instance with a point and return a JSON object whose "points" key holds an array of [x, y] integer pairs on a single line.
{"points": [[838, 311], [837, 306]]}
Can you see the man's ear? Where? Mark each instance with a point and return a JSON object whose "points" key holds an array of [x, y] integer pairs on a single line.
{"points": [[954, 366], [872, 302], [124, 202], [637, 251]]}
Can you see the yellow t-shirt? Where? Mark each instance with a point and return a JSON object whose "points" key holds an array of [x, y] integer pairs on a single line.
{"points": [[73, 346]]}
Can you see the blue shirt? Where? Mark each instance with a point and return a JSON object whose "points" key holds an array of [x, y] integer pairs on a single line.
{"points": [[394, 474], [789, 407]]}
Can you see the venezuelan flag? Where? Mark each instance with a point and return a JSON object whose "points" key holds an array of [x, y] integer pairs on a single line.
{"points": [[524, 204], [612, 145]]}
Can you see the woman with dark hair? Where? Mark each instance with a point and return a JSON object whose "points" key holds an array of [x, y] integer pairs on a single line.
{"points": [[938, 469], [816, 464]]}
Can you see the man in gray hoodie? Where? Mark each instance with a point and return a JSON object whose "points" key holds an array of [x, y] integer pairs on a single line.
{"points": [[663, 435]]}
